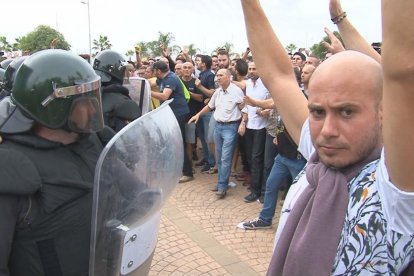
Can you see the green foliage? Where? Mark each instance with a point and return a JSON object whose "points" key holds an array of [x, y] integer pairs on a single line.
{"points": [[192, 49], [4, 44], [227, 46], [320, 50], [291, 48], [40, 39], [101, 44], [130, 53]]}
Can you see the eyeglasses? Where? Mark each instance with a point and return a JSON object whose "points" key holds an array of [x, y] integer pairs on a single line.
{"points": [[186, 67]]}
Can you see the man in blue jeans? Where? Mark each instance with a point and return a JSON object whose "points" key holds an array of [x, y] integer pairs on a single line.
{"points": [[227, 102], [288, 162]]}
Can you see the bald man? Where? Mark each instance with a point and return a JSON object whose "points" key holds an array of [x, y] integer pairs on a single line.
{"points": [[227, 101], [305, 76], [350, 212]]}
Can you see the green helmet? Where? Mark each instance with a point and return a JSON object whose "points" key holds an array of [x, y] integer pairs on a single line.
{"points": [[59, 89], [5, 63], [110, 66], [2, 71], [10, 73]]}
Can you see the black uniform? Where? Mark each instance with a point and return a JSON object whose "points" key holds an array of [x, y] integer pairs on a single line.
{"points": [[118, 108], [46, 199]]}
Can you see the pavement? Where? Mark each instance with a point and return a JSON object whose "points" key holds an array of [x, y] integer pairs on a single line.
{"points": [[198, 233]]}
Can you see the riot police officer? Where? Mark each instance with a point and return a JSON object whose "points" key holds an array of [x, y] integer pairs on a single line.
{"points": [[118, 107], [47, 158], [9, 76]]}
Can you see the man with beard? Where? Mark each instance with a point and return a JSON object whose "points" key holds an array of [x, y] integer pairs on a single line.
{"points": [[350, 211]]}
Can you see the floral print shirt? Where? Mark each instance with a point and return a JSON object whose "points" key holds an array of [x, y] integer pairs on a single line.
{"points": [[378, 233]]}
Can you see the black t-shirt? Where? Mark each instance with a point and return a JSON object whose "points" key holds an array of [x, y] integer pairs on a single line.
{"points": [[285, 145], [194, 105]]}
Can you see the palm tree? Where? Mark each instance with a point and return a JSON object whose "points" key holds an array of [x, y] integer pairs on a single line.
{"points": [[130, 53], [16, 44], [145, 48], [228, 46], [291, 48], [165, 38], [4, 44], [192, 50], [102, 44]]}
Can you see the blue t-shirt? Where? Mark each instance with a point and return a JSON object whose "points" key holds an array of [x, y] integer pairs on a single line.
{"points": [[179, 105], [207, 80]]}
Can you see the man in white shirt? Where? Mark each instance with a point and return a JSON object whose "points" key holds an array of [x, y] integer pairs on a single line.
{"points": [[227, 101], [255, 136], [350, 212]]}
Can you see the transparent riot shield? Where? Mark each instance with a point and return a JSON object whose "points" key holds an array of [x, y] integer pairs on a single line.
{"points": [[139, 91], [135, 174]]}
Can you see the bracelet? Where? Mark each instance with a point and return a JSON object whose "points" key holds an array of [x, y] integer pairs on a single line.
{"points": [[339, 18]]}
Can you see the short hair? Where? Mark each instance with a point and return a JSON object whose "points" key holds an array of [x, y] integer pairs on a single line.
{"points": [[223, 52], [207, 60], [180, 57], [241, 67], [302, 56], [161, 65]]}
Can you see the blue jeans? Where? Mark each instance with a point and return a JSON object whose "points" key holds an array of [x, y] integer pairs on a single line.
{"points": [[202, 128], [269, 159], [225, 138], [281, 169]]}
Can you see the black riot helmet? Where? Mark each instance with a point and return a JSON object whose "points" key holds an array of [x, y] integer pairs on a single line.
{"points": [[10, 72], [110, 66], [59, 89]]}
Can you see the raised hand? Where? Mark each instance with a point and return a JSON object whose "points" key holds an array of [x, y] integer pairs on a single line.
{"points": [[336, 45]]}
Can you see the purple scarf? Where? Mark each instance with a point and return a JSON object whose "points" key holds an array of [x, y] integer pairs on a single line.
{"points": [[309, 240]]}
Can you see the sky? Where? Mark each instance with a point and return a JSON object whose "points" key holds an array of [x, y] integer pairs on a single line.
{"points": [[206, 23]]}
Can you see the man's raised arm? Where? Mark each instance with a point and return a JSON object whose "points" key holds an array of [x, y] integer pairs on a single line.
{"points": [[275, 68], [350, 35], [398, 93]]}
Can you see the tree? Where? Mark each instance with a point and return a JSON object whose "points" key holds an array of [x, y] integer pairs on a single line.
{"points": [[4, 44], [320, 50], [16, 44], [41, 38], [102, 44], [164, 40], [130, 53], [291, 48], [145, 50], [192, 50]]}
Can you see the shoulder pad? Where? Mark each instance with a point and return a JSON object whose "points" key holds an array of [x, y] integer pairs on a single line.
{"points": [[18, 174]]}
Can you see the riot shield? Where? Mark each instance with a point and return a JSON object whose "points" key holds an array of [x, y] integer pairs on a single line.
{"points": [[140, 92], [135, 174]]}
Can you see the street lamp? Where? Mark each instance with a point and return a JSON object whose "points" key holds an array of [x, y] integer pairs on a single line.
{"points": [[89, 28]]}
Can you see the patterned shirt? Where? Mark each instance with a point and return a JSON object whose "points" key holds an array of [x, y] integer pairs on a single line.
{"points": [[378, 233]]}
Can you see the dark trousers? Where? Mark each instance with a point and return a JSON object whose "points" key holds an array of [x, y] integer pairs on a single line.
{"points": [[187, 167], [255, 144]]}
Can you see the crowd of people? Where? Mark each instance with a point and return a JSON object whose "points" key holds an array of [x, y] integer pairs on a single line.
{"points": [[335, 133]]}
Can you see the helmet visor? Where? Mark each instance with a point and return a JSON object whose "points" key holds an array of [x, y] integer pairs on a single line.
{"points": [[85, 115]]}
